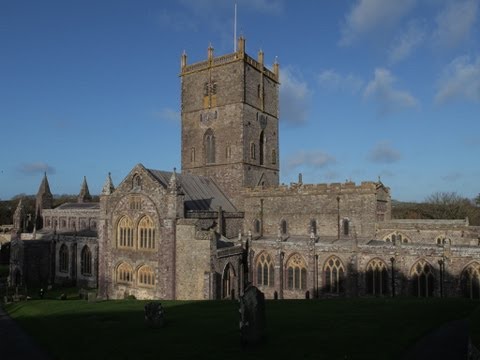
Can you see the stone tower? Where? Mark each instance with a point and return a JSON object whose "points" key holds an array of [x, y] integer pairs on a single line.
{"points": [[44, 200], [230, 120]]}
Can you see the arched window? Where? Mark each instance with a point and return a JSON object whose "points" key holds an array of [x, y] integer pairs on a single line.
{"points": [[192, 155], [274, 157], [334, 275], [346, 227], [63, 258], [313, 226], [296, 273], [124, 274], [261, 148], [228, 281], [253, 151], [86, 261], [471, 281], [283, 227], [146, 233], [146, 276], [377, 278], [265, 270], [209, 146], [423, 280], [256, 226], [125, 233], [137, 181]]}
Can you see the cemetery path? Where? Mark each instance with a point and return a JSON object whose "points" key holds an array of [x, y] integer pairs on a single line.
{"points": [[15, 343]]}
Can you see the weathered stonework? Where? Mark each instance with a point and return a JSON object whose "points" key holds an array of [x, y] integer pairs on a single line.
{"points": [[225, 222]]}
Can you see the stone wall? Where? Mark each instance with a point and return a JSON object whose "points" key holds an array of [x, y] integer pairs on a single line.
{"points": [[193, 261]]}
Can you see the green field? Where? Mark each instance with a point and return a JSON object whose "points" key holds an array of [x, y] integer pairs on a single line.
{"points": [[316, 329]]}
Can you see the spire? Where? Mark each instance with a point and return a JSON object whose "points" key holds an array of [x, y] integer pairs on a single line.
{"points": [[108, 187], [84, 195], [44, 188], [173, 184]]}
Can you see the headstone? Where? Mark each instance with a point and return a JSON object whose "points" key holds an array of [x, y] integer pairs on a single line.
{"points": [[92, 296], [83, 294], [252, 317], [154, 315]]}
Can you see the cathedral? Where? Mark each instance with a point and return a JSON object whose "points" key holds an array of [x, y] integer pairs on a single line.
{"points": [[224, 220]]}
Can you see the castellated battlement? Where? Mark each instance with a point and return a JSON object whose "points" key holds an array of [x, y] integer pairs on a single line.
{"points": [[239, 55], [366, 187]]}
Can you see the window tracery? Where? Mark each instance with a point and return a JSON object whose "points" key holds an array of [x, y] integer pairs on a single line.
{"points": [[86, 261], [125, 233], [124, 273], [377, 277], [146, 276], [423, 279], [146, 233], [265, 270], [296, 273], [334, 272], [63, 258]]}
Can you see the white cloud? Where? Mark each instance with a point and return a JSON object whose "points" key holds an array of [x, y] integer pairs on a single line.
{"points": [[460, 79], [408, 40], [370, 16], [455, 22], [168, 114], [294, 96], [384, 153], [313, 159], [332, 80], [38, 167], [388, 99]]}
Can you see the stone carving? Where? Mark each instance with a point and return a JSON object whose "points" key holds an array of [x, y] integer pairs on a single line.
{"points": [[154, 314], [252, 317]]}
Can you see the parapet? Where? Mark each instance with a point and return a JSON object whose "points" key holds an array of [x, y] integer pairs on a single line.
{"points": [[366, 187], [239, 55]]}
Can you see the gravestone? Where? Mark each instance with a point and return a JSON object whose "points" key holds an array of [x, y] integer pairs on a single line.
{"points": [[252, 317], [154, 315], [92, 296]]}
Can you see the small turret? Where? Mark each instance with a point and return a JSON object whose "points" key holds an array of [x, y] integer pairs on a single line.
{"points": [[44, 200], [84, 195], [108, 187], [19, 217]]}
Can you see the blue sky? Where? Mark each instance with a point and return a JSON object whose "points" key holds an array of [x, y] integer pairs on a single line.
{"points": [[369, 88]]}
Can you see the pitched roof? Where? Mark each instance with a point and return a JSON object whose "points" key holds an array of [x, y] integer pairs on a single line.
{"points": [[79, 206], [201, 193]]}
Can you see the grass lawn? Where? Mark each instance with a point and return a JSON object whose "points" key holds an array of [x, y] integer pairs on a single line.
{"points": [[323, 329]]}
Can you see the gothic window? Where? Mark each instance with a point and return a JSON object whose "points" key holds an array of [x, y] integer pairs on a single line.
{"points": [[125, 233], [146, 276], [346, 227], [313, 226], [48, 222], [274, 156], [261, 147], [423, 280], [265, 270], [146, 233], [377, 277], [296, 273], [192, 155], [86, 261], [259, 91], [283, 227], [252, 151], [64, 223], [471, 281], [228, 281], [228, 152], [256, 226], [334, 275], [63, 258], [209, 146], [124, 274], [137, 182]]}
